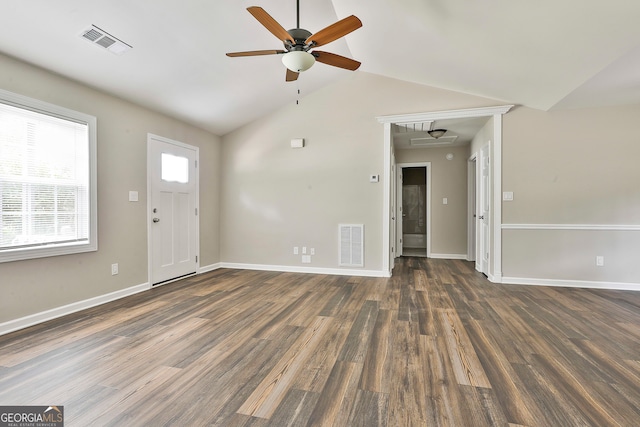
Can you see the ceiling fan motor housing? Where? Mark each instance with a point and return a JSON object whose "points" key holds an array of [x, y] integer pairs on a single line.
{"points": [[299, 35]]}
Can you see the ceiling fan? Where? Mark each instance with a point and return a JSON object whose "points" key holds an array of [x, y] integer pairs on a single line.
{"points": [[298, 55]]}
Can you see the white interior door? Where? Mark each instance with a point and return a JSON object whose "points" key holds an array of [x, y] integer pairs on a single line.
{"points": [[173, 209], [483, 205], [472, 213]]}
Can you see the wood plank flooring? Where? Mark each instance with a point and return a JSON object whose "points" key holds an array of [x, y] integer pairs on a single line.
{"points": [[435, 345]]}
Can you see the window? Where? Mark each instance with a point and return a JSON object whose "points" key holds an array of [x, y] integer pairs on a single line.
{"points": [[47, 179], [175, 168]]}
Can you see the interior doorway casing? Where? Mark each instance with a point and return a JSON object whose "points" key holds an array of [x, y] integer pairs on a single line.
{"points": [[399, 232], [496, 177]]}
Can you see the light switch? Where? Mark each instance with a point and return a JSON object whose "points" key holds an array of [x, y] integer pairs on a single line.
{"points": [[507, 196], [133, 196], [445, 201]]}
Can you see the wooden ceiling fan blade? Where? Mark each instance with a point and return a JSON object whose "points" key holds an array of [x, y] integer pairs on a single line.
{"points": [[292, 76], [256, 53], [335, 31], [269, 23], [336, 60]]}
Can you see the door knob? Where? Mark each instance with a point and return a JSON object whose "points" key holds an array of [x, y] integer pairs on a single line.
{"points": [[481, 217], [156, 219]]}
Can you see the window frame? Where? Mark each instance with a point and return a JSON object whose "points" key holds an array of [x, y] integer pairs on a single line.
{"points": [[66, 248]]}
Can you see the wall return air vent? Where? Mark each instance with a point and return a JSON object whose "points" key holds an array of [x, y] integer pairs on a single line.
{"points": [[101, 38], [351, 245]]}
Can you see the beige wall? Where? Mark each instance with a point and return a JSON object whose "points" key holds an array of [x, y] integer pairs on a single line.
{"points": [[483, 137], [448, 179], [577, 168], [275, 198], [259, 197], [34, 286]]}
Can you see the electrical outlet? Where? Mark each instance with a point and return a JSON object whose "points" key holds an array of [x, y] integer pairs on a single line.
{"points": [[114, 269], [312, 251], [304, 249], [600, 261], [295, 250], [306, 259]]}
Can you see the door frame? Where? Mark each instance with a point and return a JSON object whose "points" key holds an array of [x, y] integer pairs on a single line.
{"points": [[483, 198], [150, 215], [393, 229], [472, 205], [496, 175], [399, 180]]}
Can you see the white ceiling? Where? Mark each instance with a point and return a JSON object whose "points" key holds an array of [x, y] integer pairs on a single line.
{"points": [[544, 54], [458, 132]]}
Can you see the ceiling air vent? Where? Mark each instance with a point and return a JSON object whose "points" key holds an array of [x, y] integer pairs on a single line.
{"points": [[430, 141], [97, 36]]}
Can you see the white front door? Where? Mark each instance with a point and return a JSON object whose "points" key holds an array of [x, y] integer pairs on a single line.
{"points": [[173, 209], [483, 205]]}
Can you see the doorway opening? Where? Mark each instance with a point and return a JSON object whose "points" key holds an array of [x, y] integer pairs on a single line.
{"points": [[413, 201], [493, 224], [414, 211]]}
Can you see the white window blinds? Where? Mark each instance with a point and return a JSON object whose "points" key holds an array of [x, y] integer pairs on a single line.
{"points": [[44, 179]]}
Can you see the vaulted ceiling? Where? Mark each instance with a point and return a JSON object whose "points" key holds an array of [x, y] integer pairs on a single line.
{"points": [[545, 54]]}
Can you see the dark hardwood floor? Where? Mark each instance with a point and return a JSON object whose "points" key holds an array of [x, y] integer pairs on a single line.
{"points": [[435, 345]]}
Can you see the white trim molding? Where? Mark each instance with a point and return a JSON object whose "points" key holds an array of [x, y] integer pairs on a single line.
{"points": [[210, 267], [448, 114], [495, 158], [571, 283], [54, 313], [449, 256], [311, 270], [387, 262], [598, 227]]}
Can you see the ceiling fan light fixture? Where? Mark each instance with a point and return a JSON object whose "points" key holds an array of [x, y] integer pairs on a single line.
{"points": [[298, 60], [436, 133]]}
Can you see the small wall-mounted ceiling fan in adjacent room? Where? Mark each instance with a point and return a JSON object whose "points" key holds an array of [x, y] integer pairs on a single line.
{"points": [[298, 55]]}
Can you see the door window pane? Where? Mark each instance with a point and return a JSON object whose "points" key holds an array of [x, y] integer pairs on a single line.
{"points": [[175, 168]]}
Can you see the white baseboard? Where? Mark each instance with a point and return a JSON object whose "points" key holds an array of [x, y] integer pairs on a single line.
{"points": [[448, 256], [54, 313], [208, 268], [312, 270], [572, 283]]}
